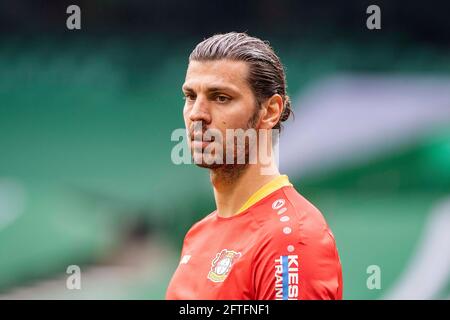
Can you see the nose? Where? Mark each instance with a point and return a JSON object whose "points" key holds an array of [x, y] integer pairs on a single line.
{"points": [[200, 111]]}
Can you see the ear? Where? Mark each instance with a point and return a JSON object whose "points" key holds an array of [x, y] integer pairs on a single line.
{"points": [[271, 112]]}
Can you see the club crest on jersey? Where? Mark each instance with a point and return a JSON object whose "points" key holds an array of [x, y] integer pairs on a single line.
{"points": [[221, 265]]}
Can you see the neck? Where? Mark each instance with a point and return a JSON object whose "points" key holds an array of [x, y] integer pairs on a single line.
{"points": [[233, 185]]}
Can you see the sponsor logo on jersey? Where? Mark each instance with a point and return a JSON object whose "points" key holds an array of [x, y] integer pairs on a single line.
{"points": [[286, 278], [277, 204], [221, 265]]}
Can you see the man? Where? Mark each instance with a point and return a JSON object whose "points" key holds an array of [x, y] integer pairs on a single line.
{"points": [[264, 240]]}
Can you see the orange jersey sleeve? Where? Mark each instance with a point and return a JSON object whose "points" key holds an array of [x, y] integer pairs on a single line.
{"points": [[294, 265]]}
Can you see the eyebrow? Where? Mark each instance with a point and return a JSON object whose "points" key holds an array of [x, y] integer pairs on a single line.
{"points": [[187, 89], [211, 89]]}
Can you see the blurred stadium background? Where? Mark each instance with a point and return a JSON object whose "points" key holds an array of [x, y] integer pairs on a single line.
{"points": [[86, 117]]}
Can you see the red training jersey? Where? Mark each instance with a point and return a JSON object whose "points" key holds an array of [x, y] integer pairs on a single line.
{"points": [[278, 248]]}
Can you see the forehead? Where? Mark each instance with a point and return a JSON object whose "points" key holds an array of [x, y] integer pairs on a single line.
{"points": [[216, 73]]}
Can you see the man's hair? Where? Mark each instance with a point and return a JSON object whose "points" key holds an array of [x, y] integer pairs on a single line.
{"points": [[266, 73]]}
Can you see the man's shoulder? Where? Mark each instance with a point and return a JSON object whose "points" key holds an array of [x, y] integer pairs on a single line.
{"points": [[201, 224], [287, 214]]}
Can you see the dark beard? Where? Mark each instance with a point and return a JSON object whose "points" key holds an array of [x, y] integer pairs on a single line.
{"points": [[235, 167]]}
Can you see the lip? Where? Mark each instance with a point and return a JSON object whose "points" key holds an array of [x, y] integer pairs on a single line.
{"points": [[201, 136], [199, 144]]}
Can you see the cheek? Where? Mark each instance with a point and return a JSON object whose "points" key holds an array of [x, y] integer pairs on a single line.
{"points": [[186, 116], [237, 119]]}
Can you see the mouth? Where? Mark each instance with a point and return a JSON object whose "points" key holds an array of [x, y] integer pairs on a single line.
{"points": [[211, 139], [199, 145], [198, 137]]}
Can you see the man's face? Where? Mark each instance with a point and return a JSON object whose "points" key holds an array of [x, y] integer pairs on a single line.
{"points": [[217, 95]]}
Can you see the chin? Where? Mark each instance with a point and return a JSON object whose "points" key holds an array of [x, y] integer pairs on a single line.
{"points": [[209, 166]]}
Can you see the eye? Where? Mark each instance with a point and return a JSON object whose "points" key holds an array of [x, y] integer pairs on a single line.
{"points": [[189, 97], [222, 98]]}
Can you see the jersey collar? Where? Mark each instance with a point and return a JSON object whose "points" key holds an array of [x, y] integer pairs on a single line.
{"points": [[268, 188]]}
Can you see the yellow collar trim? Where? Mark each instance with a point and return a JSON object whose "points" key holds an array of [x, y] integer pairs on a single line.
{"points": [[268, 188]]}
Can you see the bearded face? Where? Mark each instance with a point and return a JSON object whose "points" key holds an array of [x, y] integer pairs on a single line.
{"points": [[212, 148], [220, 113]]}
